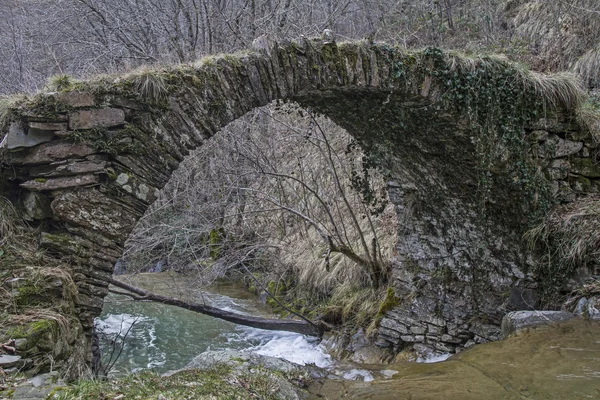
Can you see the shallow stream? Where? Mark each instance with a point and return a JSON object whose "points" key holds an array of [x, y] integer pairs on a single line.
{"points": [[165, 337], [560, 362]]}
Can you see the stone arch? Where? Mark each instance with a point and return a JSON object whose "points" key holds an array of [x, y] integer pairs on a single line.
{"points": [[86, 163]]}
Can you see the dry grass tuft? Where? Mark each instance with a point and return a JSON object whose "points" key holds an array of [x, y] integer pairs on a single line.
{"points": [[588, 67], [60, 82], [149, 84], [359, 306], [561, 31], [573, 230], [12, 227], [558, 90], [38, 314], [465, 64], [588, 116], [7, 105]]}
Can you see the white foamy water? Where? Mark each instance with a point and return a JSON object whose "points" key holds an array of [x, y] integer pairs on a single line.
{"points": [[137, 332], [434, 358], [166, 338], [118, 323], [358, 375], [293, 347]]}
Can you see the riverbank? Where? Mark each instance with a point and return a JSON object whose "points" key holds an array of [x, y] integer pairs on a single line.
{"points": [[547, 362], [554, 362]]}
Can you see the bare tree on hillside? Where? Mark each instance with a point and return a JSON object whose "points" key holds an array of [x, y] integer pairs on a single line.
{"points": [[84, 37], [286, 180]]}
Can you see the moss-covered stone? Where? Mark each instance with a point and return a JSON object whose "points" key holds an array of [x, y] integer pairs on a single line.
{"points": [[221, 381], [585, 167]]}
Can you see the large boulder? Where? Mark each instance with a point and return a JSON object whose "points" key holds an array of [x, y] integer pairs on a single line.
{"points": [[281, 372], [516, 321]]}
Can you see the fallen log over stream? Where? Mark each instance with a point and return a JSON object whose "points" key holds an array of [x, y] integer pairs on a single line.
{"points": [[304, 327]]}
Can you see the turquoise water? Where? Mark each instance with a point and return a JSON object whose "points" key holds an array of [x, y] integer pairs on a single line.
{"points": [[164, 338]]}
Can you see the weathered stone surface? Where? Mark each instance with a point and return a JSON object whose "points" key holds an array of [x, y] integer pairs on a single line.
{"points": [[17, 138], [586, 167], [566, 148], [102, 117], [559, 169], [63, 134], [417, 330], [33, 117], [588, 308], [76, 99], [94, 210], [7, 361], [37, 206], [210, 359], [394, 324], [50, 152], [518, 320], [522, 299], [593, 308], [40, 387], [48, 126], [61, 183], [244, 363], [70, 168], [449, 339]]}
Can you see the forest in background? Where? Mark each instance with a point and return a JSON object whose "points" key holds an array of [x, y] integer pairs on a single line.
{"points": [[42, 38]]}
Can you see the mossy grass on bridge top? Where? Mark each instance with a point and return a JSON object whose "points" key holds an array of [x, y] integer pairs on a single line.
{"points": [[156, 83]]}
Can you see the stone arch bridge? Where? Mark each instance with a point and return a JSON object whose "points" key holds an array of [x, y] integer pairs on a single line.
{"points": [[85, 163]]}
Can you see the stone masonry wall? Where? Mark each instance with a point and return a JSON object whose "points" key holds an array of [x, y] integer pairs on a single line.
{"points": [[458, 288]]}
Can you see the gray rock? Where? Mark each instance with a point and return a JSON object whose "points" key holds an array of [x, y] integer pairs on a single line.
{"points": [[566, 148], [50, 152], [39, 387], [559, 169], [522, 299], [37, 206], [581, 307], [244, 363], [444, 347], [408, 338], [76, 99], [74, 168], [88, 119], [450, 339], [593, 306], [210, 359], [48, 126], [21, 344], [7, 361], [418, 330], [60, 183], [18, 138], [519, 320], [394, 325]]}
